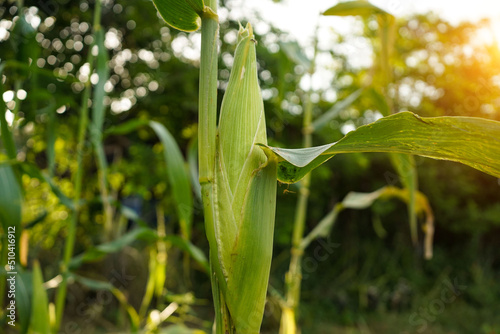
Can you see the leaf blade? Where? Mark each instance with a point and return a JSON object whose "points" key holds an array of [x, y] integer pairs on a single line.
{"points": [[472, 141], [349, 8], [40, 310], [180, 14], [177, 176]]}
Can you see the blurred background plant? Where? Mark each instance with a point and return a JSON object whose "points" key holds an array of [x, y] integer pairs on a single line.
{"points": [[130, 212]]}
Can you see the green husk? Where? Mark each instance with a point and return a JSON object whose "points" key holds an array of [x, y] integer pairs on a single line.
{"points": [[244, 195]]}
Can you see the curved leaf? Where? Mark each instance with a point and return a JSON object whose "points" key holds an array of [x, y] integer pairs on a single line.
{"points": [[24, 294], [336, 109], [295, 53], [181, 14], [141, 233], [40, 304], [11, 199], [120, 296], [469, 140], [34, 172], [177, 177], [360, 7], [98, 252]]}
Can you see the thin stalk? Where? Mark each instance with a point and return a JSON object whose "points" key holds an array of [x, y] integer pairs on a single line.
{"points": [[208, 97], [293, 277], [82, 130], [408, 174], [207, 141]]}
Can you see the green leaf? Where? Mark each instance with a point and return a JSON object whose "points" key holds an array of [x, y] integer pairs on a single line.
{"points": [[295, 53], [379, 101], [322, 230], [15, 64], [196, 253], [180, 329], [127, 127], [183, 15], [472, 141], [131, 214], [355, 200], [360, 7], [24, 293], [11, 200], [142, 233], [103, 285], [150, 285], [35, 172], [336, 109], [177, 176], [40, 323], [98, 252]]}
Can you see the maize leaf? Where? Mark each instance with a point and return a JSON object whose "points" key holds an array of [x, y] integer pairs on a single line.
{"points": [[181, 14], [178, 178], [40, 304], [359, 7], [24, 297], [119, 295], [336, 109], [469, 140]]}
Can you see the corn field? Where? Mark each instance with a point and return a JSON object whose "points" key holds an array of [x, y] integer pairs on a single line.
{"points": [[185, 166]]}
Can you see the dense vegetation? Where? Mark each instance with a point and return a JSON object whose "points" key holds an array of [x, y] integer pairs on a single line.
{"points": [[139, 255]]}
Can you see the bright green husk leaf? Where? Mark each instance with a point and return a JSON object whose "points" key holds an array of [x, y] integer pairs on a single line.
{"points": [[469, 140], [245, 195]]}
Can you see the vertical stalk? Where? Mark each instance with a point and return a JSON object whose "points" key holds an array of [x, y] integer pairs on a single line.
{"points": [[293, 277], [82, 130], [207, 142], [208, 96], [405, 166]]}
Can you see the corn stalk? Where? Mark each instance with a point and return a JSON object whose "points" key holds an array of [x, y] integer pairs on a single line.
{"points": [[293, 278], [78, 180]]}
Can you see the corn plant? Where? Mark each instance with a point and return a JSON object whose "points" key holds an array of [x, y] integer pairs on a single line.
{"points": [[404, 164], [238, 170]]}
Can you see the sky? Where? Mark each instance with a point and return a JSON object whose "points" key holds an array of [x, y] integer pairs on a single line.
{"points": [[299, 17]]}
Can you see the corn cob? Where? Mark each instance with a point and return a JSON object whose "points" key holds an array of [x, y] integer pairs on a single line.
{"points": [[244, 196]]}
